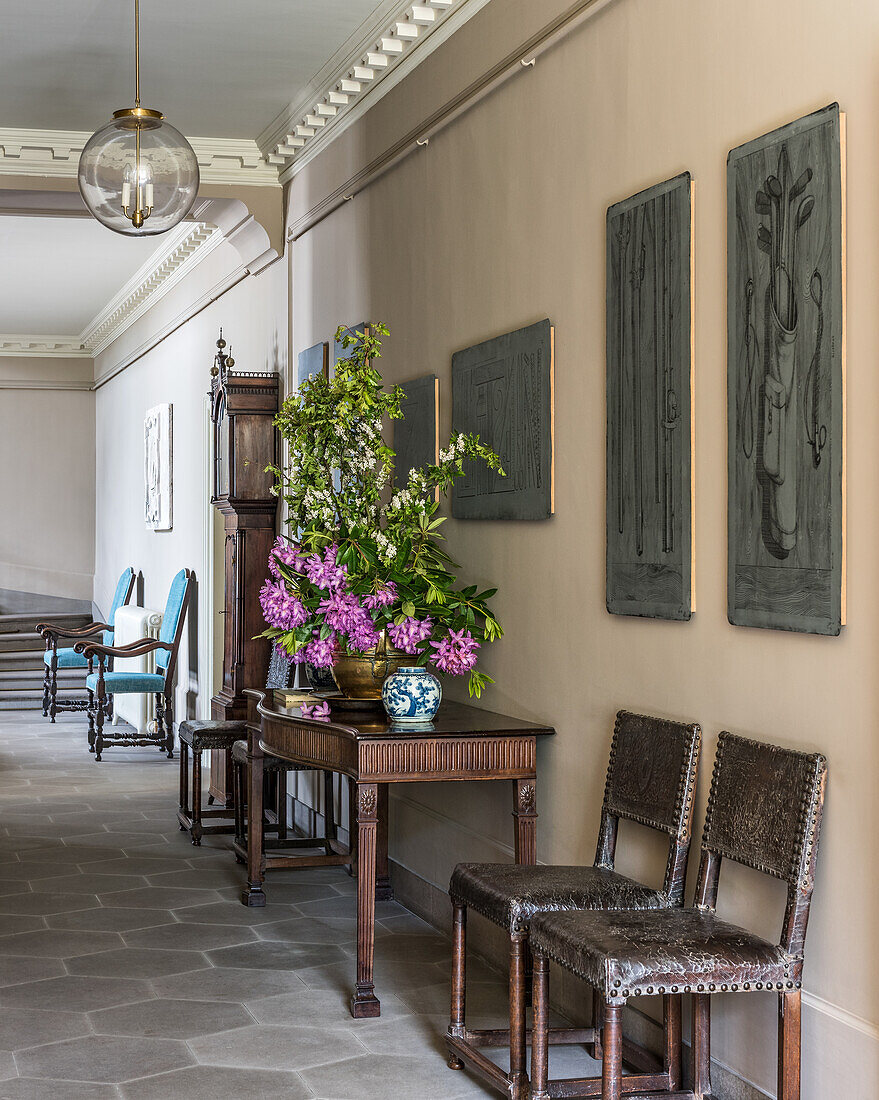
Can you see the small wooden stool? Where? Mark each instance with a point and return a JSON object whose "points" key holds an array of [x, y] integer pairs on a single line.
{"points": [[195, 737], [273, 766]]}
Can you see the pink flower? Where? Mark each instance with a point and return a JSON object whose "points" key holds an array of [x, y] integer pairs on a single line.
{"points": [[280, 608], [319, 652], [325, 572], [456, 654], [318, 711], [409, 634], [384, 597], [288, 553]]}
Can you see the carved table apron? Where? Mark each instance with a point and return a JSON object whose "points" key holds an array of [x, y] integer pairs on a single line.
{"points": [[462, 743]]}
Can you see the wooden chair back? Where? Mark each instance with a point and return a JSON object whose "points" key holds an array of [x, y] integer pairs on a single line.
{"points": [[764, 811], [651, 779], [173, 620]]}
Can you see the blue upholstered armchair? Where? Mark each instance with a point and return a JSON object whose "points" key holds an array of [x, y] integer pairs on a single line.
{"points": [[159, 683], [55, 658]]}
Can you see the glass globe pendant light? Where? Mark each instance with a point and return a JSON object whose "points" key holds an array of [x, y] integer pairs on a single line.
{"points": [[138, 175]]}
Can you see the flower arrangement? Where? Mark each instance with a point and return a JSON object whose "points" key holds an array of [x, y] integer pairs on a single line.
{"points": [[366, 566]]}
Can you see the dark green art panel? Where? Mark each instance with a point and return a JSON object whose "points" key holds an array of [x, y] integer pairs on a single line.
{"points": [[649, 402], [416, 436], [786, 323], [502, 390]]}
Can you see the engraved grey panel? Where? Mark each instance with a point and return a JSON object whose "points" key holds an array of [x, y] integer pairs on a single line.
{"points": [[785, 377], [502, 390], [343, 353], [311, 361], [649, 453], [281, 671], [416, 435]]}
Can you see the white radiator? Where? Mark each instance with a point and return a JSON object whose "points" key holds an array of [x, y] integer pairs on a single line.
{"points": [[131, 624]]}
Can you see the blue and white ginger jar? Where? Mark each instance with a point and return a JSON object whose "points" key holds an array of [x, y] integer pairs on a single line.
{"points": [[411, 694]]}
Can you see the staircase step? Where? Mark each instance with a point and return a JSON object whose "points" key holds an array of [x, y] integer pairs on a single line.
{"points": [[14, 681], [21, 662], [25, 641], [22, 623]]}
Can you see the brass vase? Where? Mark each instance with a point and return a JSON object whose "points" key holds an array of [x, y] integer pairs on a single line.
{"points": [[361, 675]]}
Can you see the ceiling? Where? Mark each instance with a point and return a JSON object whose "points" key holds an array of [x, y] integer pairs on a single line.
{"points": [[216, 68], [57, 274]]}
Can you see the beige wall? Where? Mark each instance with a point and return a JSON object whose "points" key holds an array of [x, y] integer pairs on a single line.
{"points": [[47, 454], [177, 370], [499, 223]]}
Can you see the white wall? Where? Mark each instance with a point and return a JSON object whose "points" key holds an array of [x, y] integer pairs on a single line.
{"points": [[499, 222], [47, 459], [253, 315]]}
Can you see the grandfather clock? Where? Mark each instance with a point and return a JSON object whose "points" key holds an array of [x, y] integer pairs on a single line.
{"points": [[243, 408]]}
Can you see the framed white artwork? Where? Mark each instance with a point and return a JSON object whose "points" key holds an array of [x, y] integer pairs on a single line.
{"points": [[158, 468]]}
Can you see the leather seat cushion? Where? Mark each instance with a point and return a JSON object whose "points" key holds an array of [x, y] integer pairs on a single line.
{"points": [[511, 894], [208, 734], [625, 954], [270, 763], [127, 683], [67, 658]]}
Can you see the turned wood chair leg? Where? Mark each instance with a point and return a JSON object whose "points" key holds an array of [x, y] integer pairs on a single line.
{"points": [[195, 830], [518, 948], [540, 1032], [99, 719], [184, 780], [47, 680], [330, 831], [789, 1033], [53, 689], [281, 803], [91, 717], [701, 1048], [169, 728], [594, 1048], [671, 1019], [612, 1062], [459, 978]]}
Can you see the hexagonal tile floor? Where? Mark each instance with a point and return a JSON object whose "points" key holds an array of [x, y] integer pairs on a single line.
{"points": [[128, 968]]}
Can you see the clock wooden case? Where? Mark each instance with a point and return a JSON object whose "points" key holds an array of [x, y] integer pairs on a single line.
{"points": [[243, 408]]}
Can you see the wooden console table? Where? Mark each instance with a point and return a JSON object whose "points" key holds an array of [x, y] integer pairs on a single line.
{"points": [[462, 743]]}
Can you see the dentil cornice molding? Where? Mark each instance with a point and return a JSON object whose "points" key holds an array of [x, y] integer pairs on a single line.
{"points": [[397, 38], [55, 153]]}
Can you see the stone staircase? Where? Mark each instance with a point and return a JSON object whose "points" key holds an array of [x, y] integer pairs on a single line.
{"points": [[21, 650]]}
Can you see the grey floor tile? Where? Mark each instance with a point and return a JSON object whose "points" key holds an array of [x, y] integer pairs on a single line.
{"points": [[59, 944], [341, 931], [10, 886], [74, 853], [170, 1019], [137, 962], [92, 881], [293, 893], [11, 923], [339, 906], [43, 904], [42, 827], [376, 1077], [274, 955], [398, 976], [231, 912], [210, 1082], [123, 841], [190, 937], [211, 878], [165, 897], [109, 920], [225, 984], [267, 1047], [104, 1058], [120, 864], [15, 969], [32, 1088], [75, 993], [29, 1027], [28, 870], [330, 1006], [402, 1036]]}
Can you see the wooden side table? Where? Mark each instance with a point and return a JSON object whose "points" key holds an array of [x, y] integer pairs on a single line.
{"points": [[463, 743]]}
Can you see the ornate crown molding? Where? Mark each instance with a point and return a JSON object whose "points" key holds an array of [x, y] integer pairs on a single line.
{"points": [[46, 347], [55, 153], [397, 39], [188, 245]]}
